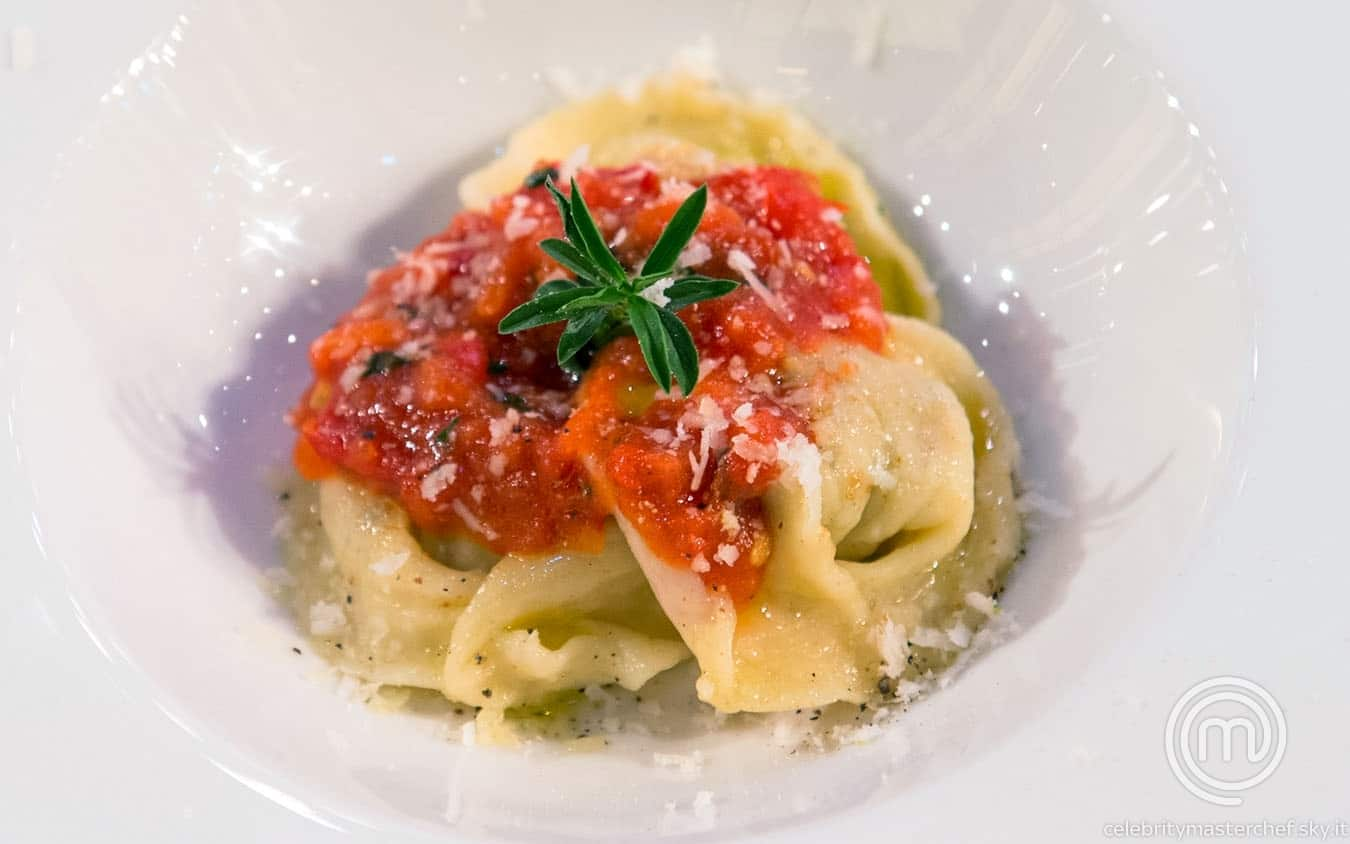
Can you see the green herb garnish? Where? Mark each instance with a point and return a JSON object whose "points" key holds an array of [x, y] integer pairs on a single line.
{"points": [[382, 362], [605, 300], [540, 176], [443, 435]]}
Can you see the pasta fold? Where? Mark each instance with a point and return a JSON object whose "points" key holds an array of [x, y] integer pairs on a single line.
{"points": [[687, 127], [901, 508]]}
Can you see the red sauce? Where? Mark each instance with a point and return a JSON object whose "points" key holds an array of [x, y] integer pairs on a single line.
{"points": [[473, 432]]}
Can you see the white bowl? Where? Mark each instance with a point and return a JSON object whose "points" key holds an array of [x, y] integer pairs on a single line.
{"points": [[245, 171]]}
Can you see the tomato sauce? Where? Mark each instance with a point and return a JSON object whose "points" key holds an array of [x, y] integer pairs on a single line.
{"points": [[416, 395]]}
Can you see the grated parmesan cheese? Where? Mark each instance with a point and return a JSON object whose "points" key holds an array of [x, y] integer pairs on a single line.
{"points": [[731, 525], [471, 521], [518, 225], [351, 376], [982, 603], [742, 413], [660, 436], [656, 293], [501, 427], [388, 565], [801, 459], [927, 637], [960, 634], [697, 252], [745, 266], [893, 647], [727, 554], [436, 481], [700, 564], [752, 450], [685, 763], [881, 476], [736, 368], [712, 425], [326, 618]]}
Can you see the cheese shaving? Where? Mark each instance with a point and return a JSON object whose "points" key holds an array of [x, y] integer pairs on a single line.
{"points": [[745, 266], [437, 480], [471, 521]]}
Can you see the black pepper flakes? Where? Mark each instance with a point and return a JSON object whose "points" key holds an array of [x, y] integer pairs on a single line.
{"points": [[487, 692], [884, 685], [382, 362]]}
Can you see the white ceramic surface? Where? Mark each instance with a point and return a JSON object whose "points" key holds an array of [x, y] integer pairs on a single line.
{"points": [[229, 186]]}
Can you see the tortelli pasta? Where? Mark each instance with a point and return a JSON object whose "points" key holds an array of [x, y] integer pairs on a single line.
{"points": [[828, 509]]}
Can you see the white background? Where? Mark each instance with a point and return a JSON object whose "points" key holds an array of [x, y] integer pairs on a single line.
{"points": [[1268, 81]]}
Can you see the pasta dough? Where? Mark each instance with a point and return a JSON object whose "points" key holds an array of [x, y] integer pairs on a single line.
{"points": [[872, 533], [525, 629], [881, 524], [902, 508], [685, 125]]}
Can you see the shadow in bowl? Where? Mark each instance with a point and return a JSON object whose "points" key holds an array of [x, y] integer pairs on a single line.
{"points": [[1018, 352], [247, 441]]}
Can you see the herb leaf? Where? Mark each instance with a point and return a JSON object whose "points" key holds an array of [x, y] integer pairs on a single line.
{"points": [[651, 335], [605, 299], [565, 212], [443, 435], [568, 255], [592, 241], [693, 289], [382, 362], [579, 332], [538, 177], [541, 310], [676, 235], [683, 352], [557, 285]]}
